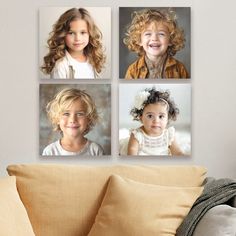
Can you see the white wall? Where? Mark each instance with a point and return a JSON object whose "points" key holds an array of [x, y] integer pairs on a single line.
{"points": [[213, 84]]}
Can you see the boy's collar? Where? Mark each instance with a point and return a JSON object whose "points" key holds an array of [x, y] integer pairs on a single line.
{"points": [[170, 61]]}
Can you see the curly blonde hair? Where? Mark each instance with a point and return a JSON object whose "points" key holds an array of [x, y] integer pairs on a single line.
{"points": [[56, 42], [64, 99], [140, 21]]}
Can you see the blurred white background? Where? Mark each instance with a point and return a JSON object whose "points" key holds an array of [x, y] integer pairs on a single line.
{"points": [[179, 93]]}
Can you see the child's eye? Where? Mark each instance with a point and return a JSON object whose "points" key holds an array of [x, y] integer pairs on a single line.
{"points": [[149, 116], [83, 32], [81, 114], [71, 33], [161, 117], [66, 114], [147, 34], [162, 34]]}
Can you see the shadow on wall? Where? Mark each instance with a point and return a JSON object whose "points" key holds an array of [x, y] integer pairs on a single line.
{"points": [[101, 133]]}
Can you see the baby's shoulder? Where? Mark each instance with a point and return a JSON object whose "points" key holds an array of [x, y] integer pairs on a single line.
{"points": [[137, 133], [171, 129], [170, 133]]}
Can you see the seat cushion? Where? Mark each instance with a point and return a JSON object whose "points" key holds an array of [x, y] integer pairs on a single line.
{"points": [[64, 199], [218, 221], [134, 208], [13, 216]]}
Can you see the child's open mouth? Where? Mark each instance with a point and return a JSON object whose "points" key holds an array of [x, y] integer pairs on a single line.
{"points": [[73, 127], [154, 46]]}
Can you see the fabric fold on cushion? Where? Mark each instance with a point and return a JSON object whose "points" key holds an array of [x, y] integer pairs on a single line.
{"points": [[215, 192], [134, 208], [13, 216]]}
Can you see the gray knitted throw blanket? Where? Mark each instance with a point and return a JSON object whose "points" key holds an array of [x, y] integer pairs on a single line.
{"points": [[215, 192]]}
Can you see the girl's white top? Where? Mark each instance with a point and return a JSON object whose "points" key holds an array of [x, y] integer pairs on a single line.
{"points": [[69, 68], [159, 145], [90, 149]]}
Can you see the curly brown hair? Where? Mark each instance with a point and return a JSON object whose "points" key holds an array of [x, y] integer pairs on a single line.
{"points": [[64, 99], [140, 21], [56, 42], [156, 96]]}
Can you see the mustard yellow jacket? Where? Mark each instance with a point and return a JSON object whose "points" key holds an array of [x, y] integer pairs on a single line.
{"points": [[173, 69]]}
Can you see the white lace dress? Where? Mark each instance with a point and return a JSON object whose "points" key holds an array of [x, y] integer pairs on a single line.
{"points": [[159, 145]]}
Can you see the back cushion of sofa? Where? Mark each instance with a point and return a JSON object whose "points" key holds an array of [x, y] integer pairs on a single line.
{"points": [[64, 199]]}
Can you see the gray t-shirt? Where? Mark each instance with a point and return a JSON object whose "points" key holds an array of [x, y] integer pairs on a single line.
{"points": [[90, 149]]}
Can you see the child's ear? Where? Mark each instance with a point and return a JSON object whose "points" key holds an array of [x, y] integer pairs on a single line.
{"points": [[139, 41], [140, 118]]}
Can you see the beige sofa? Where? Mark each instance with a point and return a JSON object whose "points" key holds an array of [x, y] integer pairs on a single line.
{"points": [[73, 200]]}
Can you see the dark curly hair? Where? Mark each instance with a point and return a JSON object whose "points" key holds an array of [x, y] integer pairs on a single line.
{"points": [[155, 97]]}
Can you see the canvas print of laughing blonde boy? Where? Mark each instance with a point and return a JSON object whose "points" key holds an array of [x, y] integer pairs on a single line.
{"points": [[156, 37]]}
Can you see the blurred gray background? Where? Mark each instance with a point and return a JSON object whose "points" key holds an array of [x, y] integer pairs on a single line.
{"points": [[127, 57], [101, 133]]}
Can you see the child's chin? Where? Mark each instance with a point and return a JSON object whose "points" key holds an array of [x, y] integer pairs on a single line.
{"points": [[155, 134]]}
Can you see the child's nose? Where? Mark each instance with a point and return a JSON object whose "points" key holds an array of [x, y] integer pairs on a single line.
{"points": [[77, 36], [73, 118], [155, 36], [156, 119]]}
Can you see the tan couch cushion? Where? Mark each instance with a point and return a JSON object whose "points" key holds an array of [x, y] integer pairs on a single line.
{"points": [[64, 200], [13, 216], [134, 208]]}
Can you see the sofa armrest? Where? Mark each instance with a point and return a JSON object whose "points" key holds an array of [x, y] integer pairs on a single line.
{"points": [[218, 221]]}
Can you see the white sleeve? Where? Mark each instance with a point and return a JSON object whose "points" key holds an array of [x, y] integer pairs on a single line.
{"points": [[59, 71], [96, 149], [47, 151], [171, 134], [138, 135]]}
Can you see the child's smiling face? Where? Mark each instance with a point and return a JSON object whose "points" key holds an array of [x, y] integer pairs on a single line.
{"points": [[73, 121], [155, 40], [78, 36], [155, 118]]}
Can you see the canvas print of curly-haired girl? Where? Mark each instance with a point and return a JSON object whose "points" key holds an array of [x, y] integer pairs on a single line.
{"points": [[155, 43], [155, 121], [75, 43]]}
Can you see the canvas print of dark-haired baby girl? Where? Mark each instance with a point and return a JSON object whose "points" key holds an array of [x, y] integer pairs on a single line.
{"points": [[154, 120], [154, 43]]}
